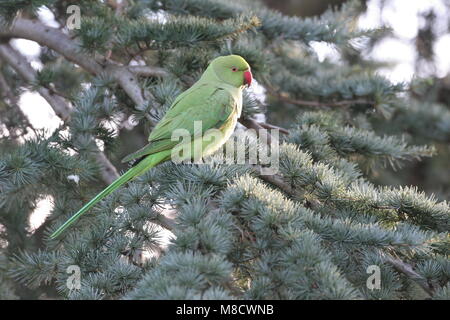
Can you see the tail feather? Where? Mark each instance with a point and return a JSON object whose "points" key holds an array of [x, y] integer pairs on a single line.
{"points": [[142, 166]]}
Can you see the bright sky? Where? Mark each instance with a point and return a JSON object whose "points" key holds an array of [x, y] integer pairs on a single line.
{"points": [[402, 15]]}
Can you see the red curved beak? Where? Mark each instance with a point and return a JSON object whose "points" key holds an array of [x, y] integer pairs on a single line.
{"points": [[248, 77]]}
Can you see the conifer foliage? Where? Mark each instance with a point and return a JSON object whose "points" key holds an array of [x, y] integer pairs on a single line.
{"points": [[312, 230]]}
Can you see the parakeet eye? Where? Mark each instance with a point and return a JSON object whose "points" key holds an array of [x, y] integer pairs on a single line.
{"points": [[234, 69]]}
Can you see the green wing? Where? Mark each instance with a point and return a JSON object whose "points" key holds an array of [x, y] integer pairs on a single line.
{"points": [[210, 104]]}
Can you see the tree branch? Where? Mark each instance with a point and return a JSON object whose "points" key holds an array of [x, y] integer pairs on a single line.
{"points": [[276, 180], [148, 71], [25, 71], [407, 270], [52, 38], [6, 92], [58, 104], [58, 41]]}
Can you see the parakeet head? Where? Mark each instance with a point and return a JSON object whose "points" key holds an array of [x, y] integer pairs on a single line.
{"points": [[233, 69]]}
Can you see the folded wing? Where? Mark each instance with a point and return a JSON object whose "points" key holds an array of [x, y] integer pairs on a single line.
{"points": [[211, 105]]}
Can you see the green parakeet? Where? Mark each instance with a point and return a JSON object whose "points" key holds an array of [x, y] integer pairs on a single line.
{"points": [[215, 100]]}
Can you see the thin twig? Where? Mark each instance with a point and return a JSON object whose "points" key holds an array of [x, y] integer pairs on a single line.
{"points": [[252, 124], [342, 103], [266, 125]]}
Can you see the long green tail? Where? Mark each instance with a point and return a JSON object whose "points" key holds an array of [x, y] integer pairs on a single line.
{"points": [[141, 167]]}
